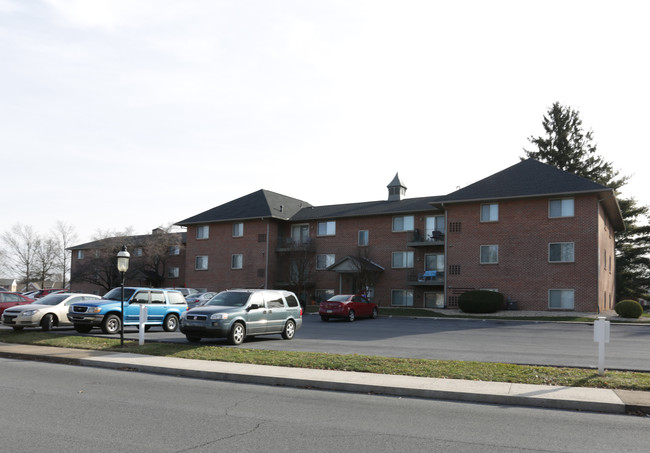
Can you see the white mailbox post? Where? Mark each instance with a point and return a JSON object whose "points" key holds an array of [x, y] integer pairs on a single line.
{"points": [[601, 336], [141, 323]]}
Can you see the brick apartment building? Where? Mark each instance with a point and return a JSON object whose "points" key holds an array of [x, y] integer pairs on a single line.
{"points": [[541, 236]]}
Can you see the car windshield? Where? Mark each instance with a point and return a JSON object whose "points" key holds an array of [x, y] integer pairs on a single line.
{"points": [[116, 294], [229, 299], [52, 299]]}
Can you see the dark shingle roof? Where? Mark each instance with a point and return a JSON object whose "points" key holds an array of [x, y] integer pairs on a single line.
{"points": [[262, 203], [525, 179], [131, 241], [369, 208]]}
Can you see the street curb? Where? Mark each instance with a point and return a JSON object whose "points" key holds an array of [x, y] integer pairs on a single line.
{"points": [[551, 397]]}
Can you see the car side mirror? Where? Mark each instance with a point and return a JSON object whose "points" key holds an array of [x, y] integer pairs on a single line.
{"points": [[253, 307]]}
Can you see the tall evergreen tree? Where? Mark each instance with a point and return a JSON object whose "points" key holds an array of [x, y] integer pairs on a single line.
{"points": [[568, 147]]}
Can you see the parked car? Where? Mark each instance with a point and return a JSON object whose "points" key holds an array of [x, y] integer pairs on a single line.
{"points": [[11, 299], [348, 306], [44, 292], [164, 308], [196, 299], [186, 291], [241, 313], [47, 312]]}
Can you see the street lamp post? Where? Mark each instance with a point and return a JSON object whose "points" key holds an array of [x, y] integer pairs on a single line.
{"points": [[122, 266]]}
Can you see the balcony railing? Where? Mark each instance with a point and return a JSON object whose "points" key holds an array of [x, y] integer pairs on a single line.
{"points": [[429, 278], [289, 245], [417, 238]]}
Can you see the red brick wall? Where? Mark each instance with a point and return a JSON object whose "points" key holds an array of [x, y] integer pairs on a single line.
{"points": [[523, 233]]}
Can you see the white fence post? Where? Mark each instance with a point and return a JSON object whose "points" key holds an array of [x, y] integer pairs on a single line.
{"points": [[142, 321], [601, 336]]}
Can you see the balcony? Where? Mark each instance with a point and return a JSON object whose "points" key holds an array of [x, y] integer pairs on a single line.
{"points": [[291, 245], [428, 278], [417, 239]]}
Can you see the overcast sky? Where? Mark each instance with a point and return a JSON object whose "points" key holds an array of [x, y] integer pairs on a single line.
{"points": [[141, 113]]}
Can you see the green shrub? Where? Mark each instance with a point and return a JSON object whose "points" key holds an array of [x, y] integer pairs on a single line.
{"points": [[480, 301], [628, 309]]}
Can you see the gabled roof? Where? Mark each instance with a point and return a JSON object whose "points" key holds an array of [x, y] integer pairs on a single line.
{"points": [[531, 178], [353, 264], [131, 241], [260, 204], [368, 208]]}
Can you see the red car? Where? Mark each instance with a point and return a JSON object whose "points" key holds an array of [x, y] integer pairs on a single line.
{"points": [[9, 299], [347, 306], [44, 292]]}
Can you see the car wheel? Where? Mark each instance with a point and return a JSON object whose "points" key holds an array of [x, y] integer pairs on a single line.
{"points": [[324, 318], [17, 328], [171, 323], [374, 313], [351, 315], [237, 334], [193, 339], [111, 324], [47, 322], [82, 328], [289, 330]]}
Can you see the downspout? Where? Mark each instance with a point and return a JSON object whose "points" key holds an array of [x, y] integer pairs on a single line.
{"points": [[442, 205], [266, 256]]}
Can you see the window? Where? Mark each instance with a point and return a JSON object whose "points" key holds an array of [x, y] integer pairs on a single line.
{"points": [[237, 261], [561, 299], [201, 263], [561, 252], [363, 238], [174, 249], [157, 297], [403, 223], [237, 229], [137, 251], [402, 259], [560, 208], [300, 234], [172, 272], [324, 261], [489, 212], [435, 223], [80, 254], [203, 232], [327, 228], [401, 298], [489, 254], [434, 262], [434, 300]]}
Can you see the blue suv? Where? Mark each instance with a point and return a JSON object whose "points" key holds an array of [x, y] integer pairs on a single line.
{"points": [[164, 308]]}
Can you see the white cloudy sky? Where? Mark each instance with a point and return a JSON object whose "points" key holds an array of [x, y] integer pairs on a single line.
{"points": [[137, 113]]}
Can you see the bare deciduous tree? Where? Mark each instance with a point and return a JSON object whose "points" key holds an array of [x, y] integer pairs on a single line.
{"points": [[22, 244]]}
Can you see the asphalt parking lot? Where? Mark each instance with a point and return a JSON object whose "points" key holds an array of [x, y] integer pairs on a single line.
{"points": [[521, 342]]}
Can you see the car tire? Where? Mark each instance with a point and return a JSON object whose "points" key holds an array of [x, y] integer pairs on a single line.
{"points": [[351, 316], [374, 313], [83, 328], [193, 339], [111, 324], [289, 330], [47, 322], [324, 318], [237, 334], [171, 323]]}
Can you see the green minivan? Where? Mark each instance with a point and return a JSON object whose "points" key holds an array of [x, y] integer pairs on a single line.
{"points": [[240, 313]]}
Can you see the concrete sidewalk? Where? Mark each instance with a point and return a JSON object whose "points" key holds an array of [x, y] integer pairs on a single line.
{"points": [[570, 398]]}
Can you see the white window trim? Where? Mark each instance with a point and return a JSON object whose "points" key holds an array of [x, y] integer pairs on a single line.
{"points": [[561, 261], [201, 268], [480, 257], [562, 308], [489, 219], [200, 228], [561, 216], [238, 226], [241, 261], [367, 237], [80, 254], [405, 228], [405, 261], [327, 224]]}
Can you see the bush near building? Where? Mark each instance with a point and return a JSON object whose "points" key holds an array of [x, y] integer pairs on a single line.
{"points": [[480, 301]]}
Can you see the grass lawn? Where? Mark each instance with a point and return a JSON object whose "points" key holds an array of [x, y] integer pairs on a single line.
{"points": [[449, 369]]}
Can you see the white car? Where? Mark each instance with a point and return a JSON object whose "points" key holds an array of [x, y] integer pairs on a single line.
{"points": [[47, 312]]}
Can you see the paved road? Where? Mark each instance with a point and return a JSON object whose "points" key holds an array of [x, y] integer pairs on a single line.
{"points": [[52, 407], [523, 342]]}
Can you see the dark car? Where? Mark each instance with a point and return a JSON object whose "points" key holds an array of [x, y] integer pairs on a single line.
{"points": [[348, 306], [9, 299], [44, 292]]}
